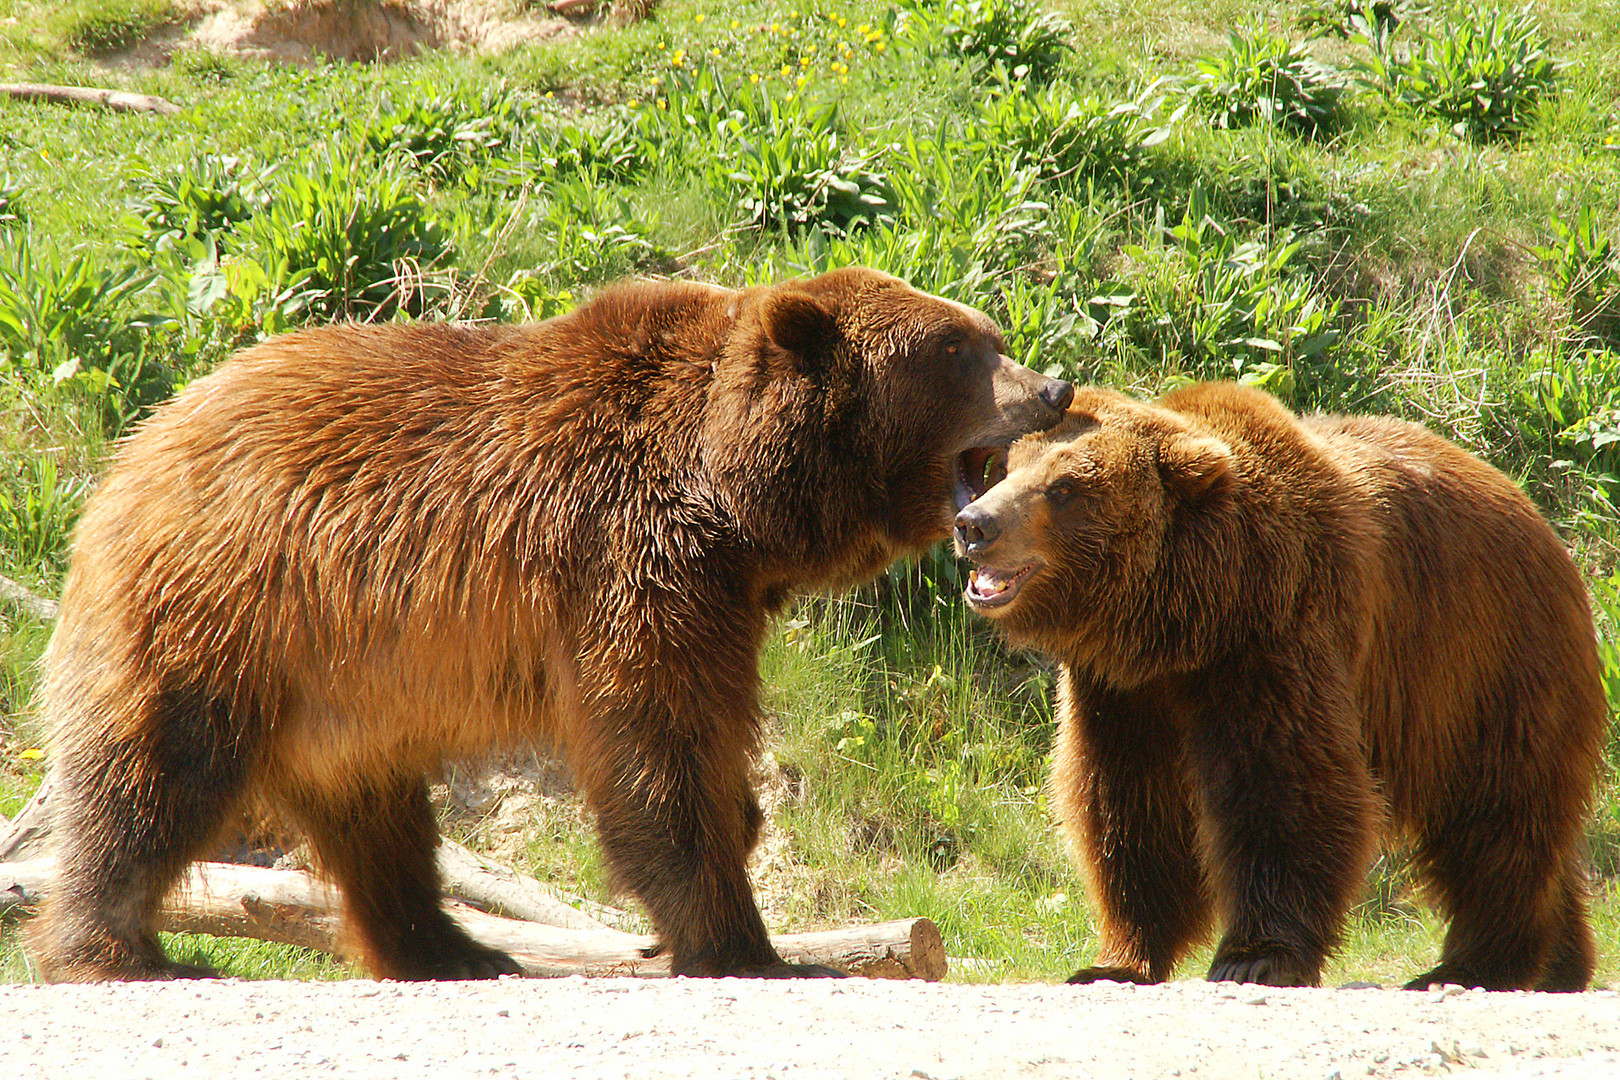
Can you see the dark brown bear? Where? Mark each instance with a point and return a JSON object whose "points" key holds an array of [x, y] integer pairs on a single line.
{"points": [[355, 551], [1277, 635]]}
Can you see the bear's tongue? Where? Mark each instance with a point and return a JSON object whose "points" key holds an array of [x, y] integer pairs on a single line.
{"points": [[992, 586]]}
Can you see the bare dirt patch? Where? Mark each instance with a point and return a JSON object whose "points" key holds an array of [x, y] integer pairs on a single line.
{"points": [[308, 31]]}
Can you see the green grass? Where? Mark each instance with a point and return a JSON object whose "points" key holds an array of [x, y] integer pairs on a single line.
{"points": [[1140, 216]]}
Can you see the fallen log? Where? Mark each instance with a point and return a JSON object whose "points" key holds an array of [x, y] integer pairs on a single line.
{"points": [[295, 908], [32, 604], [89, 95]]}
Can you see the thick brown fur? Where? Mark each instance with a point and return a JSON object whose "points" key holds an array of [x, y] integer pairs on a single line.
{"points": [[354, 551], [1278, 636]]}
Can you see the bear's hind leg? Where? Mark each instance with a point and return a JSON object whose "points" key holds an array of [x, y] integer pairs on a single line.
{"points": [[1574, 955], [378, 841], [1514, 920], [130, 815]]}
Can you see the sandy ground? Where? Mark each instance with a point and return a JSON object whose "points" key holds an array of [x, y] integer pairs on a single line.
{"points": [[586, 1029]]}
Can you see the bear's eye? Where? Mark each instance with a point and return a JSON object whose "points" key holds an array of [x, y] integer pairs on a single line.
{"points": [[1060, 492]]}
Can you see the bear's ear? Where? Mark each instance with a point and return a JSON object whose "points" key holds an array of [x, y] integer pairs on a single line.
{"points": [[800, 325], [1195, 465]]}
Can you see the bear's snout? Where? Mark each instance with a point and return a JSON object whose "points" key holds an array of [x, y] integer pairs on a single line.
{"points": [[1057, 393], [977, 528]]}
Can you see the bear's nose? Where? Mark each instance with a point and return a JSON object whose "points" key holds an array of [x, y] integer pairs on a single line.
{"points": [[1057, 394], [976, 529]]}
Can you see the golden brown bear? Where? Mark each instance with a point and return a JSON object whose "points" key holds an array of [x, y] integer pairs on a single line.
{"points": [[354, 551], [1277, 634]]}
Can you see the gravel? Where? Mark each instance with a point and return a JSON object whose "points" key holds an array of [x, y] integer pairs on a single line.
{"points": [[585, 1029]]}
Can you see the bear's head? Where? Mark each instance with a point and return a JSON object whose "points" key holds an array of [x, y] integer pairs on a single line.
{"points": [[862, 399], [1074, 544]]}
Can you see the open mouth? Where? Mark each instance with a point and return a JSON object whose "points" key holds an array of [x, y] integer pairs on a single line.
{"points": [[978, 469], [995, 586]]}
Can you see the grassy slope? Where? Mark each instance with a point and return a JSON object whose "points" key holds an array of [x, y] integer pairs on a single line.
{"points": [[918, 740]]}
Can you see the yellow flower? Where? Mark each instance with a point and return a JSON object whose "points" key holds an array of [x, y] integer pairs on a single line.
{"points": [[804, 61], [753, 76], [800, 81], [735, 24], [842, 22], [700, 17], [776, 28], [881, 46], [33, 753], [786, 71]]}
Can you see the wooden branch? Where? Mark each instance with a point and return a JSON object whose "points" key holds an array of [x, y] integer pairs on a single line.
{"points": [[295, 908], [25, 837], [504, 891], [32, 604], [89, 95]]}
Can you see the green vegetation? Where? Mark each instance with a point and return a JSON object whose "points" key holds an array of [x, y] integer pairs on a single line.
{"points": [[1360, 205]]}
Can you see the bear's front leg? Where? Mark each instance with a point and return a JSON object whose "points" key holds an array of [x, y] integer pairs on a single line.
{"points": [[1288, 813], [1120, 788], [677, 818]]}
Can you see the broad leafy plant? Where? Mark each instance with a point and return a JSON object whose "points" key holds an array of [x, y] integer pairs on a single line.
{"points": [[1065, 135], [356, 235], [1582, 263], [1266, 79], [784, 156], [209, 198], [1020, 37], [1484, 72], [449, 135]]}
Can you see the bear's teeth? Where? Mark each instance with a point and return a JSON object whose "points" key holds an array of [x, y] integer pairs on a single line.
{"points": [[987, 582]]}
